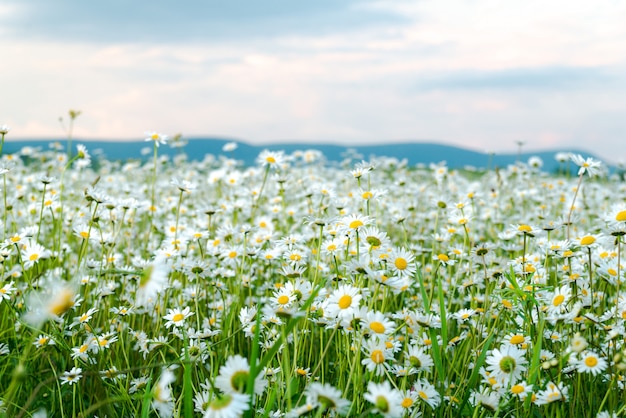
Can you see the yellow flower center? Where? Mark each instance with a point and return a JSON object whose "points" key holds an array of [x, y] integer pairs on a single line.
{"points": [[524, 228], [517, 339], [377, 356], [591, 361], [178, 317], [33, 257], [517, 389], [377, 327], [232, 254], [558, 299], [621, 216], [422, 395], [283, 299], [612, 272], [587, 240], [356, 224], [345, 301], [443, 257], [401, 263], [407, 402], [270, 159]]}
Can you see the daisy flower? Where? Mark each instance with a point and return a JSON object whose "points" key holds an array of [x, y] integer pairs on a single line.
{"points": [[176, 317], [162, 399], [416, 356], [427, 393], [591, 362], [506, 364], [377, 323], [344, 302], [274, 159], [71, 376], [377, 353], [387, 401], [228, 405], [156, 138], [558, 300], [552, 393], [587, 165], [153, 281], [327, 398], [233, 376], [401, 262], [6, 290]]}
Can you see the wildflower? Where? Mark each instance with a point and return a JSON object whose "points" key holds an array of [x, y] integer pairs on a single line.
{"points": [[43, 340], [6, 290], [52, 303], [376, 323], [591, 362], [152, 282], [72, 376], [32, 253], [176, 317], [417, 357], [427, 393], [327, 398], [559, 299], [401, 262], [233, 376], [486, 398], [273, 159], [521, 390], [156, 138], [4, 129], [506, 364], [354, 222], [162, 399], [578, 343], [228, 405], [552, 393], [229, 146], [377, 353], [387, 401], [344, 302], [588, 165]]}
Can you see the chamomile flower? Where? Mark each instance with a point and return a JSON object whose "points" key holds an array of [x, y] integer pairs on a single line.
{"points": [[176, 317], [71, 376], [377, 323], [344, 302], [401, 263], [427, 393], [233, 376], [156, 138], [227, 405], [553, 392], [590, 362], [587, 165], [386, 400], [506, 364], [162, 399], [327, 398], [377, 354]]}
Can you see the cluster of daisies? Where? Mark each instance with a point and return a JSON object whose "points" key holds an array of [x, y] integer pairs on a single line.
{"points": [[303, 287]]}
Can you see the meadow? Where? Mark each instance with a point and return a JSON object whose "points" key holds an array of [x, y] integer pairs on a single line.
{"points": [[296, 287]]}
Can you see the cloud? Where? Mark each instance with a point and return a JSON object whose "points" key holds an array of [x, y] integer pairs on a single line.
{"points": [[187, 20], [544, 78]]}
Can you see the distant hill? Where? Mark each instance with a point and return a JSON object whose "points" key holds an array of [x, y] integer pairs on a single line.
{"points": [[414, 152]]}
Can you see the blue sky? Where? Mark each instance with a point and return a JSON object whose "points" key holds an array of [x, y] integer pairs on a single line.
{"points": [[482, 74]]}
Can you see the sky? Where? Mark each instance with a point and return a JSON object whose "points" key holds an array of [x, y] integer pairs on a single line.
{"points": [[487, 75]]}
